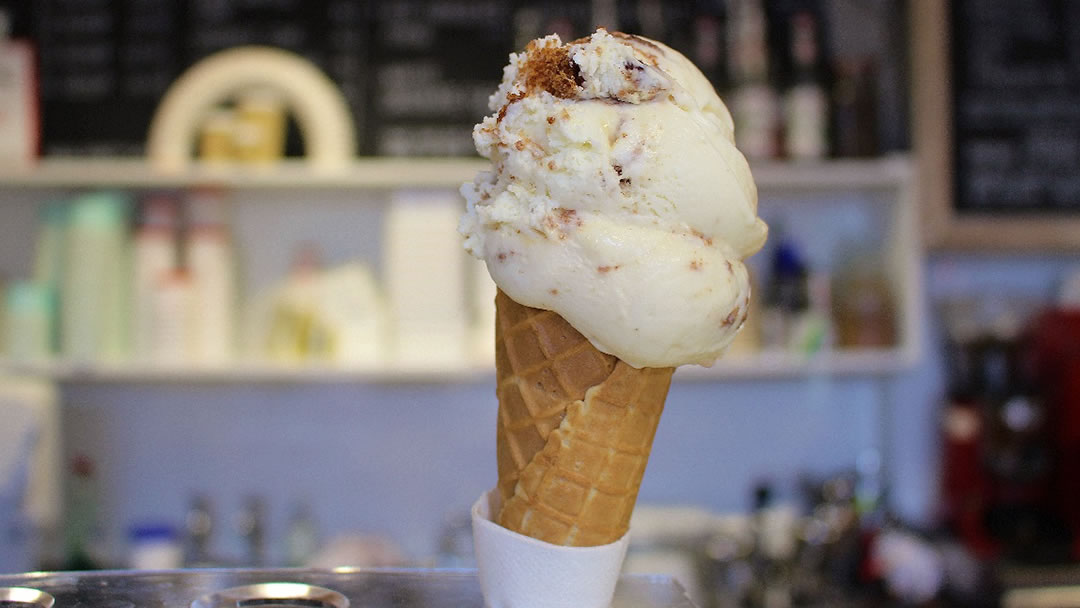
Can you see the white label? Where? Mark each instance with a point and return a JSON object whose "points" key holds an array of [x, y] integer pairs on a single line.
{"points": [[756, 114], [806, 122]]}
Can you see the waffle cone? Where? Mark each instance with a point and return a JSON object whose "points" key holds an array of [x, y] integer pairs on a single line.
{"points": [[574, 431]]}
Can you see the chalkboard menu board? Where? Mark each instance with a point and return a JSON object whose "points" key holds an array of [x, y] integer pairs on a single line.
{"points": [[416, 73], [105, 64], [1016, 106]]}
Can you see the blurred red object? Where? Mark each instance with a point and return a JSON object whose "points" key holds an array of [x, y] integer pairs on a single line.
{"points": [[1056, 343]]}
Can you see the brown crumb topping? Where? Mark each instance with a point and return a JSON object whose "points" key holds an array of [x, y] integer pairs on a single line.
{"points": [[549, 68], [510, 98]]}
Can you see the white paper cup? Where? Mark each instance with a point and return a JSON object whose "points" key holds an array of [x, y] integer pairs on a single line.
{"points": [[521, 572]]}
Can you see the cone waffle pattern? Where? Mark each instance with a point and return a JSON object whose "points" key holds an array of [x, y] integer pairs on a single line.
{"points": [[574, 431]]}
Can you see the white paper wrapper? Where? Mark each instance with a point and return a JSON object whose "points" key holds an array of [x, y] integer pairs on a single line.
{"points": [[521, 572]]}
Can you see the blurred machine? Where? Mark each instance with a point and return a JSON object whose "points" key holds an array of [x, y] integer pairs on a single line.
{"points": [[1011, 463], [1056, 341]]}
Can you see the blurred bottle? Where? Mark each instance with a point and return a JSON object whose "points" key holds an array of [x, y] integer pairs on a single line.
{"points": [[154, 257], [708, 47], [810, 330], [774, 548], [302, 537], [19, 135], [965, 486], [199, 530], [155, 547], [211, 263], [81, 526], [855, 128], [49, 258], [806, 105], [864, 310], [172, 335], [251, 526], [755, 106], [294, 332], [93, 301], [787, 295], [28, 321], [1017, 448]]}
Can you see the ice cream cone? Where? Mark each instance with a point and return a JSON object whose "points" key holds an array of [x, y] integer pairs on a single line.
{"points": [[575, 428]]}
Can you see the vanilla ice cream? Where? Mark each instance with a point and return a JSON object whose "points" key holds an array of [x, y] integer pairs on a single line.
{"points": [[616, 198]]}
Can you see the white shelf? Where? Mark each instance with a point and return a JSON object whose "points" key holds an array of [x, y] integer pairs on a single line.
{"points": [[388, 173], [97, 172], [244, 372], [891, 176], [781, 365], [778, 365]]}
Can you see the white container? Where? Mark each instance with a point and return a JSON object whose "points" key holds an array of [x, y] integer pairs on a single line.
{"points": [[210, 260], [156, 547], [425, 278], [50, 244], [171, 334], [94, 296], [154, 256], [28, 321], [351, 308], [516, 570]]}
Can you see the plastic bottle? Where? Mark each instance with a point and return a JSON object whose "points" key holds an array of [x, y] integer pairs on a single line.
{"points": [[29, 321], [302, 538], [93, 299], [81, 526], [755, 106], [49, 258], [199, 524], [154, 256], [155, 547], [786, 296], [49, 248], [210, 260], [806, 105], [172, 319]]}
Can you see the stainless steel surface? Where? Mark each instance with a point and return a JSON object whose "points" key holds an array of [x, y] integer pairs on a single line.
{"points": [[1043, 597], [273, 594], [25, 597], [358, 588]]}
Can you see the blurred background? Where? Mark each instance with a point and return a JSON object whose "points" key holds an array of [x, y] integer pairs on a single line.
{"points": [[238, 327]]}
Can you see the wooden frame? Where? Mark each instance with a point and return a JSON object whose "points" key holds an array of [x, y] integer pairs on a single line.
{"points": [[931, 110]]}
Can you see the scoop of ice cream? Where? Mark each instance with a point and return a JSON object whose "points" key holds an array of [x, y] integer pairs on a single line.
{"points": [[616, 198]]}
